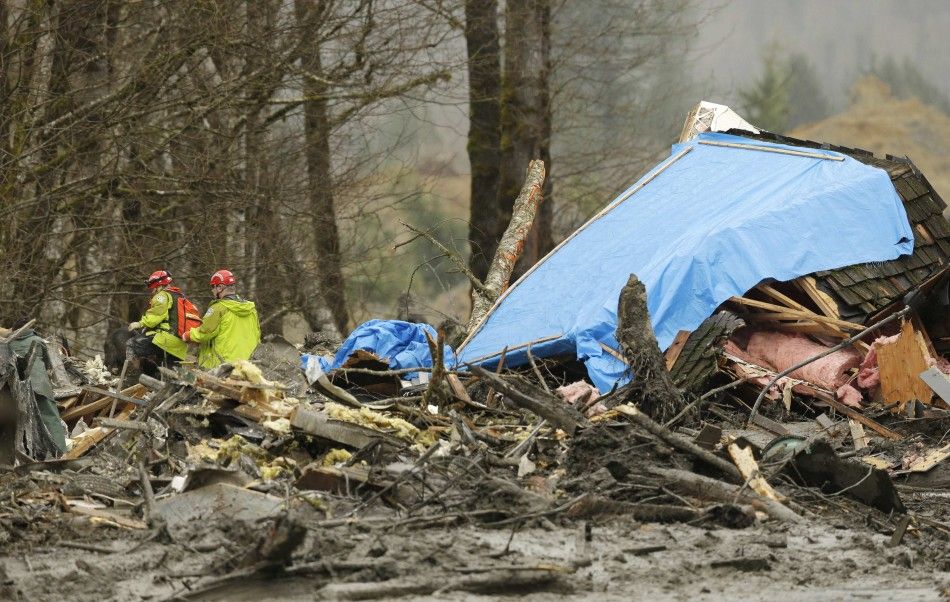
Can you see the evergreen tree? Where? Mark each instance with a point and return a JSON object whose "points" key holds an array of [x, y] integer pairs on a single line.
{"points": [[788, 93]]}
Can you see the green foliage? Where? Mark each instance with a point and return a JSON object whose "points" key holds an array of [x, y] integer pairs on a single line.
{"points": [[387, 270], [788, 93], [906, 80]]}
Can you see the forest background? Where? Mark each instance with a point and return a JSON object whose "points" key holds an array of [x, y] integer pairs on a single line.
{"points": [[296, 141]]}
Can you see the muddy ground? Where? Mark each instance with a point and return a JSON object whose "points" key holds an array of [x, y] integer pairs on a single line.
{"points": [[843, 555]]}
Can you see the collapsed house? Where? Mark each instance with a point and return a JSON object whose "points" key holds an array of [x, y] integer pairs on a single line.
{"points": [[834, 236], [757, 253]]}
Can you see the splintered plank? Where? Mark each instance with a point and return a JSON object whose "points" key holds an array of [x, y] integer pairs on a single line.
{"points": [[900, 364], [823, 300], [742, 456], [857, 434], [90, 441], [673, 352], [931, 459], [135, 391], [780, 310]]}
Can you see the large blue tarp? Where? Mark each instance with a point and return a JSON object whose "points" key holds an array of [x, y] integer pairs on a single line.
{"points": [[401, 344], [704, 226]]}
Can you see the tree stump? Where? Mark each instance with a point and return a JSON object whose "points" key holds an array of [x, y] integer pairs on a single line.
{"points": [[652, 389]]}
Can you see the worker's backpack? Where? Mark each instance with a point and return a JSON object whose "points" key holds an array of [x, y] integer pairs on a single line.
{"points": [[183, 316]]}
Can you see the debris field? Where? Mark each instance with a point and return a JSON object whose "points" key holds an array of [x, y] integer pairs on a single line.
{"points": [[793, 444]]}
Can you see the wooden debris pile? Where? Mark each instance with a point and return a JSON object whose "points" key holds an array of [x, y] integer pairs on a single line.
{"points": [[509, 446]]}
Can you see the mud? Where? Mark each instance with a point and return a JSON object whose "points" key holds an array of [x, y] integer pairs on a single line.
{"points": [[623, 559]]}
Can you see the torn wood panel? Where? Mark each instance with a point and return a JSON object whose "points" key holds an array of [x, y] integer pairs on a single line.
{"points": [[825, 302], [90, 441], [858, 436], [136, 391], [900, 364], [931, 459], [676, 347]]}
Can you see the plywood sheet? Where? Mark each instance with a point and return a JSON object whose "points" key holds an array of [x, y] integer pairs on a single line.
{"points": [[900, 364]]}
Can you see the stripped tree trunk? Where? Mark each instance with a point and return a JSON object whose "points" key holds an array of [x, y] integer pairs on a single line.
{"points": [[511, 245], [652, 389]]}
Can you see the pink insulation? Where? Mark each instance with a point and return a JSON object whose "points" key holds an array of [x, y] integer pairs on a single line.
{"points": [[584, 393], [778, 351], [783, 350], [869, 376]]}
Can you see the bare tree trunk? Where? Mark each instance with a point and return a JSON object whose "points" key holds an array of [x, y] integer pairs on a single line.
{"points": [[652, 389], [326, 236], [262, 224], [484, 134], [526, 115]]}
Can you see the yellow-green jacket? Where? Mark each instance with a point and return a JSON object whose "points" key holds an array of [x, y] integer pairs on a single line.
{"points": [[156, 322], [229, 331]]}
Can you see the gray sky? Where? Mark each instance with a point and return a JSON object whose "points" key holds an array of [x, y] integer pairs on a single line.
{"points": [[840, 37]]}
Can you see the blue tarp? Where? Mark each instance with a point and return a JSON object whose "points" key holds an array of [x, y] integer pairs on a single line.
{"points": [[402, 344], [714, 223]]}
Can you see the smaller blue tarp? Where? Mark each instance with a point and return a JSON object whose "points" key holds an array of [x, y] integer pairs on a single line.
{"points": [[402, 344]]}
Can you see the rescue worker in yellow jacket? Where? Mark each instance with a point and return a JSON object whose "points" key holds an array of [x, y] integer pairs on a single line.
{"points": [[229, 330], [158, 340]]}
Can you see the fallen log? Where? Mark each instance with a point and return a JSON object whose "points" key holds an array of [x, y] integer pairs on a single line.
{"points": [[552, 409], [498, 580], [510, 247], [695, 485], [679, 443]]}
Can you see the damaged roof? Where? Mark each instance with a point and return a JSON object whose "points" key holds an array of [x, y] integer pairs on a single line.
{"points": [[722, 214], [863, 289]]}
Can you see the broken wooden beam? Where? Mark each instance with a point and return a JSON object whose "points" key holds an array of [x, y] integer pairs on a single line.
{"points": [[101, 403], [554, 410], [745, 462], [692, 484], [677, 442], [114, 395]]}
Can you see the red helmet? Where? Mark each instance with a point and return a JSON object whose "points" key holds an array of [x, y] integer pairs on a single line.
{"points": [[159, 278], [222, 278]]}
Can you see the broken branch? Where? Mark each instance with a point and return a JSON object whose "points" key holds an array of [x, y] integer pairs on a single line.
{"points": [[510, 246]]}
